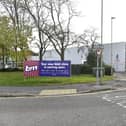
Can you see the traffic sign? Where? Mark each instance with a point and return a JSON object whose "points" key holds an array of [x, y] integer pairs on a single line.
{"points": [[99, 52]]}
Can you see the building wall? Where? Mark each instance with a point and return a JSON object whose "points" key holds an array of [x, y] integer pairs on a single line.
{"points": [[73, 54], [33, 58], [79, 56], [118, 58]]}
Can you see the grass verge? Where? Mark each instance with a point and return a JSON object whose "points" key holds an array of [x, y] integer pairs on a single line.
{"points": [[17, 79]]}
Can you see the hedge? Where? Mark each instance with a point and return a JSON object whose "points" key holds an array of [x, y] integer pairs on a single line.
{"points": [[81, 69], [11, 70], [77, 69]]}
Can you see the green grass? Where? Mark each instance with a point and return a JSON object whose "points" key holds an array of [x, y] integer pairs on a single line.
{"points": [[17, 79]]}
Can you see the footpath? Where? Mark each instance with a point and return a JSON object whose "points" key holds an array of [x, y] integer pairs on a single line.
{"points": [[119, 82]]}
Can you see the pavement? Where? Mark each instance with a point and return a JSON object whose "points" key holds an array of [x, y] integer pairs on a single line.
{"points": [[119, 82]]}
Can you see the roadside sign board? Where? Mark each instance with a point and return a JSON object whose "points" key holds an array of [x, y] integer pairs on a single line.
{"points": [[31, 68], [55, 68]]}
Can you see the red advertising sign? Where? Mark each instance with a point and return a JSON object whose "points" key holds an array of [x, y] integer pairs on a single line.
{"points": [[31, 68]]}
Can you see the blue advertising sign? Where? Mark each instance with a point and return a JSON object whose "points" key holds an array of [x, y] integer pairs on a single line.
{"points": [[55, 68]]}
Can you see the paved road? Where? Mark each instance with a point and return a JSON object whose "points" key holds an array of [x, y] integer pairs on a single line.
{"points": [[83, 110], [117, 98]]}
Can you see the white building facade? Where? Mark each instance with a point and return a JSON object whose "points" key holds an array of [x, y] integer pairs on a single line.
{"points": [[74, 54], [79, 55], [118, 56]]}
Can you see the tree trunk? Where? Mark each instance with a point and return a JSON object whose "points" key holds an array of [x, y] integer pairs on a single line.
{"points": [[62, 56], [3, 57], [16, 56], [40, 55]]}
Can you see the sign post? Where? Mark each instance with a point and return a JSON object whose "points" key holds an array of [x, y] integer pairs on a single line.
{"points": [[98, 52]]}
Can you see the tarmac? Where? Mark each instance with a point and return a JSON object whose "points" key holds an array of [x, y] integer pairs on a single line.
{"points": [[119, 82]]}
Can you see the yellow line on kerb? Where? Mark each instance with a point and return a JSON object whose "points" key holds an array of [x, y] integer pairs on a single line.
{"points": [[58, 92]]}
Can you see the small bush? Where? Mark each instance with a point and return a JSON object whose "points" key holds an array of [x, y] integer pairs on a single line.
{"points": [[107, 70]]}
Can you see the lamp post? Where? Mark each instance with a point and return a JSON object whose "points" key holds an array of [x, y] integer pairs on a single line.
{"points": [[101, 22], [112, 18], [101, 71]]}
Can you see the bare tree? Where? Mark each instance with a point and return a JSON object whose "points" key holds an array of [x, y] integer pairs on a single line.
{"points": [[39, 16], [89, 38], [59, 22], [24, 33]]}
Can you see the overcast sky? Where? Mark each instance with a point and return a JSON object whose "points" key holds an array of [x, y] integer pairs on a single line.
{"points": [[91, 17]]}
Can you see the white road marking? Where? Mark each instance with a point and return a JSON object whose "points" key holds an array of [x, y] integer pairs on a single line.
{"points": [[124, 96], [58, 92], [118, 99]]}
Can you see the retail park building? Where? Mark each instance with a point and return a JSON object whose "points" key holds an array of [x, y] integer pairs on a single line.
{"points": [[78, 55]]}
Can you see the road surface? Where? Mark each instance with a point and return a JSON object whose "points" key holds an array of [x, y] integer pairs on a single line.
{"points": [[100, 109]]}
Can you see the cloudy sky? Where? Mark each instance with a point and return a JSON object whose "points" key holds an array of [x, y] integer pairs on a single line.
{"points": [[91, 17]]}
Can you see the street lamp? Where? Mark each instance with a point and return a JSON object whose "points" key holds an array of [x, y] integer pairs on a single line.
{"points": [[101, 71], [101, 22], [112, 18]]}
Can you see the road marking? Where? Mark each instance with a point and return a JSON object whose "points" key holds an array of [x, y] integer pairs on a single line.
{"points": [[65, 95], [118, 100], [58, 92]]}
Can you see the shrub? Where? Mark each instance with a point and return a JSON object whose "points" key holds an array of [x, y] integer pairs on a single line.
{"points": [[92, 59], [107, 69]]}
